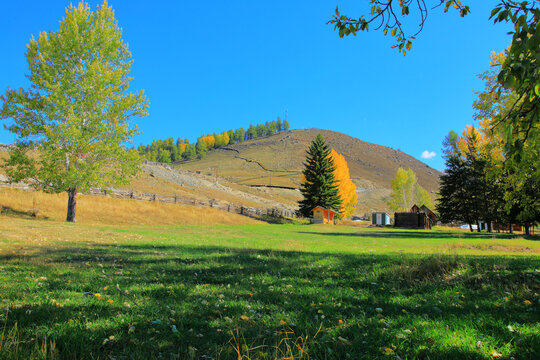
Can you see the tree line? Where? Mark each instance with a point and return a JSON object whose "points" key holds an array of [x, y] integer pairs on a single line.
{"points": [[485, 179], [169, 150]]}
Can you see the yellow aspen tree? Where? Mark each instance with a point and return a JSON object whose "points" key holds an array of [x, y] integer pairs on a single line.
{"points": [[346, 188]]}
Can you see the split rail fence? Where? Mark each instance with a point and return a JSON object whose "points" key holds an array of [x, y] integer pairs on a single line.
{"points": [[177, 199]]}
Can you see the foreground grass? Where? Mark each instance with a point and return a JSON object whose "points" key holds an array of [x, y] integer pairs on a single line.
{"points": [[264, 291]]}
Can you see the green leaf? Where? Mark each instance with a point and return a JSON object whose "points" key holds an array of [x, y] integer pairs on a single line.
{"points": [[495, 11]]}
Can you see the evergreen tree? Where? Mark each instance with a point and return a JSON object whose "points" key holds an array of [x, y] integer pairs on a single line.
{"points": [[452, 202], [319, 187], [279, 125]]}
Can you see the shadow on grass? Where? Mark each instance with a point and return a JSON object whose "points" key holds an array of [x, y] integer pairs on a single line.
{"points": [[338, 306], [30, 214]]}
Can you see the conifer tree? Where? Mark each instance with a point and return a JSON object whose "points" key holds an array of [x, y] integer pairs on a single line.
{"points": [[319, 186]]}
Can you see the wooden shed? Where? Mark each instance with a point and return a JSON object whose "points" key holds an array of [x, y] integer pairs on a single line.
{"points": [[323, 215], [380, 218], [432, 218], [412, 220]]}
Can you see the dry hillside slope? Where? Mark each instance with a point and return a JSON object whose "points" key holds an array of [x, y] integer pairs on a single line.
{"points": [[240, 173], [278, 161]]}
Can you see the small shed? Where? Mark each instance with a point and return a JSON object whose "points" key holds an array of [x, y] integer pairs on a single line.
{"points": [[380, 218], [412, 220], [323, 215], [432, 218]]}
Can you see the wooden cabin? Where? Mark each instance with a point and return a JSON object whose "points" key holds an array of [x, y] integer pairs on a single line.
{"points": [[412, 220], [323, 215], [430, 214], [432, 218]]}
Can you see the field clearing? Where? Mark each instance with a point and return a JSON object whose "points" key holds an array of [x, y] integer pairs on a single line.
{"points": [[106, 210], [264, 292]]}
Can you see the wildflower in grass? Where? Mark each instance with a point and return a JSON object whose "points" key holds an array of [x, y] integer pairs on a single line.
{"points": [[282, 322], [98, 295], [105, 288], [340, 321], [110, 301], [388, 351], [495, 354], [527, 302], [244, 317]]}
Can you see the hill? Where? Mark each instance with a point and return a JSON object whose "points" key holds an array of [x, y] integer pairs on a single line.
{"points": [[265, 172], [277, 160]]}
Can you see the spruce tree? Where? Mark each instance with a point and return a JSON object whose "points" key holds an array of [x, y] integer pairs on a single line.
{"points": [[319, 186]]}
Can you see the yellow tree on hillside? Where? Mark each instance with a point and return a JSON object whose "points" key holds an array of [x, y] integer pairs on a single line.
{"points": [[406, 192], [346, 188]]}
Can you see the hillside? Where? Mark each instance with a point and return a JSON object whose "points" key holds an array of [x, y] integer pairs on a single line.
{"points": [[277, 160], [241, 173]]}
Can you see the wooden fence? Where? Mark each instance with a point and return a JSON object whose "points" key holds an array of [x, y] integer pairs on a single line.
{"points": [[177, 199]]}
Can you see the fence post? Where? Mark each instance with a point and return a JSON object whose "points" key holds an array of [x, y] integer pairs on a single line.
{"points": [[154, 197], [175, 199]]}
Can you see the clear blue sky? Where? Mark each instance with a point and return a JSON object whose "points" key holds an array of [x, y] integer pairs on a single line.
{"points": [[208, 66]]}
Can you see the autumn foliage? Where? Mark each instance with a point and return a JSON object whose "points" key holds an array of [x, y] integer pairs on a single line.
{"points": [[346, 188]]}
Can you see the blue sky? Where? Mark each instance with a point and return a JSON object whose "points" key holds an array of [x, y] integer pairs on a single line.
{"points": [[209, 66]]}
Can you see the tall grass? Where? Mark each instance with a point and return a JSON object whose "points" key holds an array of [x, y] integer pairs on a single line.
{"points": [[102, 209]]}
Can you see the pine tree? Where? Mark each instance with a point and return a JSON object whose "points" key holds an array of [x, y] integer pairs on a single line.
{"points": [[319, 186]]}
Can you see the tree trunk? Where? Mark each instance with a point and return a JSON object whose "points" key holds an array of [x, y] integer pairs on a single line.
{"points": [[72, 204], [470, 227], [510, 229], [489, 226], [527, 229], [478, 226]]}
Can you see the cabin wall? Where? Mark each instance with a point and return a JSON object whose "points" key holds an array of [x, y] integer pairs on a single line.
{"points": [[410, 220]]}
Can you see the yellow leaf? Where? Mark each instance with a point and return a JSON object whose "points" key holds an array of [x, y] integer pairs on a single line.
{"points": [[244, 317]]}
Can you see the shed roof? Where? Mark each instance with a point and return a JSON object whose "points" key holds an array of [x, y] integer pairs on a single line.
{"points": [[322, 208]]}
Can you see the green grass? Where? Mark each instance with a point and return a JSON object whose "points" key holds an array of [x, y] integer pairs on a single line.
{"points": [[265, 292]]}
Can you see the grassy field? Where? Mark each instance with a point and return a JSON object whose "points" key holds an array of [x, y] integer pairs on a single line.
{"points": [[98, 291], [106, 210]]}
